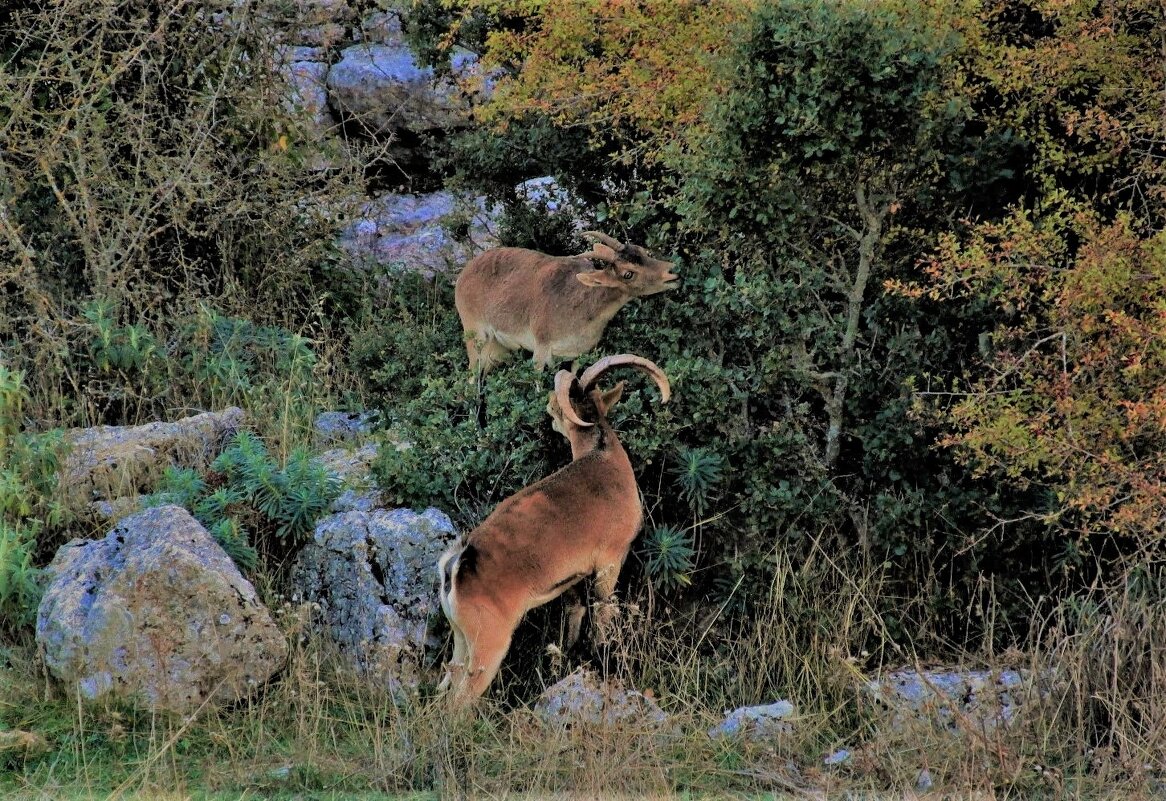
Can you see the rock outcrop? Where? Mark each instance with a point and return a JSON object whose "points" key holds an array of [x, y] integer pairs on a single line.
{"points": [[757, 723], [956, 699], [417, 232], [381, 89], [373, 575], [156, 613], [582, 698], [107, 463]]}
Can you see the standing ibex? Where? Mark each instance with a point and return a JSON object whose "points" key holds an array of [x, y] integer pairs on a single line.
{"points": [[577, 522], [555, 306]]}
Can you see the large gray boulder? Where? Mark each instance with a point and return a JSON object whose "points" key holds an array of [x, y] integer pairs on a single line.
{"points": [[373, 576], [106, 463], [158, 614]]}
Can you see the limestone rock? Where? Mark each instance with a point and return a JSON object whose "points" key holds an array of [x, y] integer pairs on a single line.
{"points": [[158, 614], [307, 94], [583, 698], [546, 192], [354, 468], [339, 427], [381, 27], [110, 462], [955, 698], [756, 722], [322, 23], [374, 577]]}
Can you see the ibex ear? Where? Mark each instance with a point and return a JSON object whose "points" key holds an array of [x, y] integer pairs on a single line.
{"points": [[598, 278], [611, 397]]}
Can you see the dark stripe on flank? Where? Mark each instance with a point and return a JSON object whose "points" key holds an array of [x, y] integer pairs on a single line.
{"points": [[566, 582]]}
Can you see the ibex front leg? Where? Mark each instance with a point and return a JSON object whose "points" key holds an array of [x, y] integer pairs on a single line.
{"points": [[605, 610]]}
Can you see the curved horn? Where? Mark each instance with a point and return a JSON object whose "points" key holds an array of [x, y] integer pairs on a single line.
{"points": [[563, 381], [599, 251], [592, 373], [604, 239]]}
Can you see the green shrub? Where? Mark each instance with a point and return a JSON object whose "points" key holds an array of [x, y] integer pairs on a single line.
{"points": [[407, 340], [436, 454], [226, 360], [534, 224], [249, 503], [28, 481]]}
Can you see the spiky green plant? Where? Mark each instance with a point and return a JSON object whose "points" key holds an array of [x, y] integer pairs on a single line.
{"points": [[698, 472], [251, 494], [668, 557]]}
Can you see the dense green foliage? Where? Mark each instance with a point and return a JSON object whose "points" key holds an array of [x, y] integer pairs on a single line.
{"points": [[247, 497], [835, 143], [846, 143], [28, 480]]}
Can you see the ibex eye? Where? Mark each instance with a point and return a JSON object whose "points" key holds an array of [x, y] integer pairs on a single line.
{"points": [[627, 276]]}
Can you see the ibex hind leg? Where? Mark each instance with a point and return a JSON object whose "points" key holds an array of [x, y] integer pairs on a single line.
{"points": [[484, 351], [484, 354], [576, 599]]}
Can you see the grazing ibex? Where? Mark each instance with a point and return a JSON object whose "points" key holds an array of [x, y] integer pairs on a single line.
{"points": [[577, 522], [555, 306]]}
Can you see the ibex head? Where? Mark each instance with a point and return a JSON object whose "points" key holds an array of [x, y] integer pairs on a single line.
{"points": [[628, 268], [577, 404]]}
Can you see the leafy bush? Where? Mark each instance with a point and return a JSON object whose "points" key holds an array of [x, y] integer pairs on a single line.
{"points": [[412, 338], [249, 503], [535, 224], [436, 453], [28, 482], [133, 369], [231, 360]]}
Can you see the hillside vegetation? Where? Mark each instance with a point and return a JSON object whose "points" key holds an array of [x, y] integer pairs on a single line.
{"points": [[918, 357]]}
